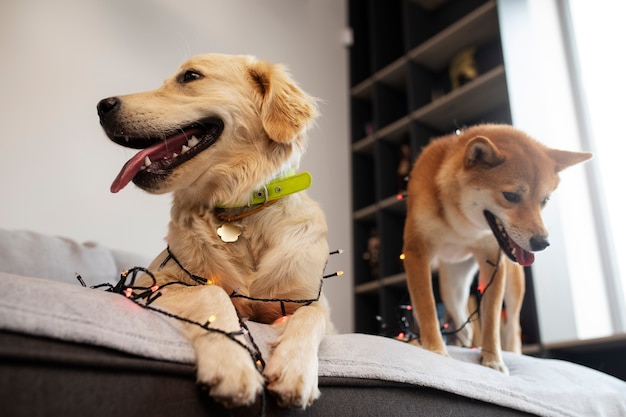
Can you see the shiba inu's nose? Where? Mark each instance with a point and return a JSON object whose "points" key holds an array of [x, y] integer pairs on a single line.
{"points": [[538, 243]]}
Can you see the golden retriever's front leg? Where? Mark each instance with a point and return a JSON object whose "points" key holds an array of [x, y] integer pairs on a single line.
{"points": [[224, 367], [292, 371]]}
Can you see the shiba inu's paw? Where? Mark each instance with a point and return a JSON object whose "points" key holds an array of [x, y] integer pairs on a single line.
{"points": [[495, 364], [442, 352], [292, 376], [438, 348], [229, 374]]}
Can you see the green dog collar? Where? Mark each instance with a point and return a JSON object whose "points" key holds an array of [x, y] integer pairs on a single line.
{"points": [[278, 188]]}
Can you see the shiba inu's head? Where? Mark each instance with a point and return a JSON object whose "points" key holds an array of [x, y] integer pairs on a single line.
{"points": [[221, 126], [507, 179]]}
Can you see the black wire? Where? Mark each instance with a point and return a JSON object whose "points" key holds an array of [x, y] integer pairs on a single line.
{"points": [[151, 293], [476, 313]]}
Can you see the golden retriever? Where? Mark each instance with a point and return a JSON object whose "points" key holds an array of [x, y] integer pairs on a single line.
{"points": [[219, 134]]}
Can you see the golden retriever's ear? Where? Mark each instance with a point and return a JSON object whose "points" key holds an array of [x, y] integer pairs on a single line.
{"points": [[285, 109]]}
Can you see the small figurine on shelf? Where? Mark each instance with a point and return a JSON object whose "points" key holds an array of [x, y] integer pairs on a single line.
{"points": [[372, 253], [463, 67], [404, 167]]}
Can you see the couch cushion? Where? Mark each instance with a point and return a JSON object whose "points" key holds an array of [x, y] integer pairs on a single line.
{"points": [[38, 255]]}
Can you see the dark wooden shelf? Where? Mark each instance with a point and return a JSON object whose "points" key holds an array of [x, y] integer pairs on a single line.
{"points": [[401, 96], [468, 102], [396, 204], [375, 285]]}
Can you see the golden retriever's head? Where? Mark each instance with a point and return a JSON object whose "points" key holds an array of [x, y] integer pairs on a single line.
{"points": [[220, 127]]}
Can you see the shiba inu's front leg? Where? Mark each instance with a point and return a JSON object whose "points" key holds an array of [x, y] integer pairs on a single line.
{"points": [[454, 285], [292, 371], [515, 287], [224, 367], [491, 310], [419, 282]]}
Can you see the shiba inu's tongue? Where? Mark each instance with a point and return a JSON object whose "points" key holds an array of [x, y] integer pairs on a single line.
{"points": [[514, 251], [523, 257]]}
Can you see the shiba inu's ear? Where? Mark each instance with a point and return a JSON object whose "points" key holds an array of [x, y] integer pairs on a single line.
{"points": [[565, 159], [480, 150], [285, 109]]}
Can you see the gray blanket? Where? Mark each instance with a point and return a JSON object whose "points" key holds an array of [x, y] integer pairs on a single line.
{"points": [[544, 387]]}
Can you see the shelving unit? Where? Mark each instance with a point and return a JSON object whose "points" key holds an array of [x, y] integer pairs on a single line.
{"points": [[401, 96]]}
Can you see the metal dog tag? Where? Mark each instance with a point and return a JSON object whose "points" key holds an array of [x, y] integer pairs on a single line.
{"points": [[229, 232]]}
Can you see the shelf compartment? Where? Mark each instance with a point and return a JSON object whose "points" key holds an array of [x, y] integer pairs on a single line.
{"points": [[363, 190], [366, 310], [387, 34], [468, 102], [390, 231], [362, 117], [475, 28], [390, 104]]}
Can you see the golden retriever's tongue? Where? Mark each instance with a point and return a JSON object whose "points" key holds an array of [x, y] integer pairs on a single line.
{"points": [[522, 256], [161, 150], [129, 170]]}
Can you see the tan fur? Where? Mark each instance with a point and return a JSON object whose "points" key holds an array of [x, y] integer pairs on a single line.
{"points": [[282, 250], [455, 179]]}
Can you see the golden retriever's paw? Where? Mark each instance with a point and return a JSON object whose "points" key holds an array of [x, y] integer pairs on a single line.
{"points": [[230, 376], [292, 380], [495, 364]]}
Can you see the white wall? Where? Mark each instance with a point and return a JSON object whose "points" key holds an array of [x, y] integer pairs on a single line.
{"points": [[60, 57]]}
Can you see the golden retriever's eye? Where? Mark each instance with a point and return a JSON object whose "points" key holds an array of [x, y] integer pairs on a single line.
{"points": [[545, 201], [512, 197], [188, 76]]}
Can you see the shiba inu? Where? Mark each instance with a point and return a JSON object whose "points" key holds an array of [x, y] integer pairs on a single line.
{"points": [[225, 135], [478, 193]]}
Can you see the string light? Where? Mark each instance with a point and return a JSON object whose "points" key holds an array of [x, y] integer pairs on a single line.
{"points": [[80, 279], [335, 274], [145, 296], [476, 313], [444, 328]]}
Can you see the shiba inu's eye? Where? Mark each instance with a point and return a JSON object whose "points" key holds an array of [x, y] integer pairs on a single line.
{"points": [[188, 76], [512, 197], [545, 201]]}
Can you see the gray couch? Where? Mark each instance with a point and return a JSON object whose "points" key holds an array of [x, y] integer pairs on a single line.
{"points": [[69, 350]]}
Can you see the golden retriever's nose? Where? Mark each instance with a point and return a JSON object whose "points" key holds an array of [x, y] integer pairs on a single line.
{"points": [[538, 243], [108, 105]]}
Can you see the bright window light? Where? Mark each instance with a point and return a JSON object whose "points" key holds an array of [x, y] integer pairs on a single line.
{"points": [[599, 31]]}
